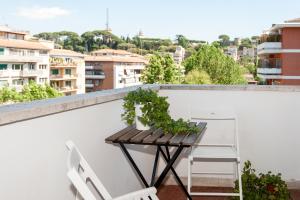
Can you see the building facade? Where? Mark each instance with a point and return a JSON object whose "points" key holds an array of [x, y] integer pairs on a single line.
{"points": [[22, 60], [110, 69], [232, 51], [279, 54], [179, 54], [67, 71]]}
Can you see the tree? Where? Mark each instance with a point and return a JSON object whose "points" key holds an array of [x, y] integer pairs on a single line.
{"points": [[182, 41], [224, 40], [30, 92], [161, 69], [221, 68], [197, 77]]}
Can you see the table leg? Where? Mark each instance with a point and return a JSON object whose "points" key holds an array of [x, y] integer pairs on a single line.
{"points": [[134, 165], [168, 167], [167, 158], [154, 167]]}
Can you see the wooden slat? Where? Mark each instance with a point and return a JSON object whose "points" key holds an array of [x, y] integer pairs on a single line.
{"points": [[130, 134], [177, 139], [193, 137], [164, 139], [139, 137], [152, 138], [119, 134]]}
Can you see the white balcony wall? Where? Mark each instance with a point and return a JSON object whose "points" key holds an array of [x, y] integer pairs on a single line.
{"points": [[268, 126], [269, 70], [33, 153]]}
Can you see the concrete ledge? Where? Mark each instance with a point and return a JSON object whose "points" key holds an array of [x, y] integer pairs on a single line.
{"points": [[275, 88], [24, 111]]}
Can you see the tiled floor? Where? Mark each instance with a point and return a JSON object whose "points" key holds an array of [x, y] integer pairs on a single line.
{"points": [[172, 192]]}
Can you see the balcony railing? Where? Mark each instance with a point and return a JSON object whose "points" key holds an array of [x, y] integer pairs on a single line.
{"points": [[39, 130], [269, 70]]}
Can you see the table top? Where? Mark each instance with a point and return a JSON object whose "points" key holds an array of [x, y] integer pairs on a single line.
{"points": [[154, 136]]}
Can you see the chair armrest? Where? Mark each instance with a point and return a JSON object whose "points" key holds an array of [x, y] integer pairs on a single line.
{"points": [[139, 194]]}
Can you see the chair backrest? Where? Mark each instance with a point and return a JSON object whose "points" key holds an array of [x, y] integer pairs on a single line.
{"points": [[222, 126], [80, 173]]}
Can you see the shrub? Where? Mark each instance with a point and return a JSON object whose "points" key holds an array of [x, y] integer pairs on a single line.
{"points": [[263, 186]]}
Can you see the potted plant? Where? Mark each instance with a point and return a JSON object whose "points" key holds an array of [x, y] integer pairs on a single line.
{"points": [[146, 108]]}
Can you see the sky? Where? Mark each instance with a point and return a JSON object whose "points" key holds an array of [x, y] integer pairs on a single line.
{"points": [[196, 19]]}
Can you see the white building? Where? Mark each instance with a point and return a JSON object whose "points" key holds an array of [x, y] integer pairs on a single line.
{"points": [[232, 51], [22, 60], [179, 54], [110, 69], [67, 71], [251, 52]]}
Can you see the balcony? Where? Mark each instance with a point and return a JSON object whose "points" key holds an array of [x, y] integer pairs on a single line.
{"points": [[63, 77], [94, 75], [269, 70], [87, 85], [38, 130], [31, 73], [18, 58], [269, 47]]}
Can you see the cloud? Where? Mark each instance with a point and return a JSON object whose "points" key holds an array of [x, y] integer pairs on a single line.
{"points": [[42, 13]]}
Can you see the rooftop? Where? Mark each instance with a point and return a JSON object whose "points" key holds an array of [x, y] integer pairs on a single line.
{"points": [[23, 44], [65, 52]]}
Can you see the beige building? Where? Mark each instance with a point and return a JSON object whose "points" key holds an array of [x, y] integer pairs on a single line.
{"points": [[22, 59], [110, 69], [67, 71]]}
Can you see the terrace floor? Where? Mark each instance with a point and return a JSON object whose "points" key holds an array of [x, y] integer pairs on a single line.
{"points": [[173, 192]]}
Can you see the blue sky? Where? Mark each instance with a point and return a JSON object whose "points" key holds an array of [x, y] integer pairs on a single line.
{"points": [[196, 19]]}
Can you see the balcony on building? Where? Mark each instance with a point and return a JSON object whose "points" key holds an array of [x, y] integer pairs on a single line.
{"points": [[269, 43], [94, 74], [33, 136], [270, 66]]}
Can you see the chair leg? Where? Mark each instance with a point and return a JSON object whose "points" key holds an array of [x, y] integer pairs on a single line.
{"points": [[189, 175], [240, 179], [189, 182]]}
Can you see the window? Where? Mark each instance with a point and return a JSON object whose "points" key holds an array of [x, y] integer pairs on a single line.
{"points": [[1, 51], [54, 71], [89, 81], [31, 66], [17, 67], [43, 80], [68, 71], [42, 66], [30, 52], [97, 82], [68, 83], [17, 82], [43, 53], [3, 66], [3, 83]]}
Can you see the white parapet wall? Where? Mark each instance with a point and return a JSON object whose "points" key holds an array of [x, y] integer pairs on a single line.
{"points": [[33, 153], [268, 123]]}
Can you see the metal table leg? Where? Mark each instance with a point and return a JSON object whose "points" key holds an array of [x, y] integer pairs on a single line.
{"points": [[168, 167], [167, 158], [134, 165]]}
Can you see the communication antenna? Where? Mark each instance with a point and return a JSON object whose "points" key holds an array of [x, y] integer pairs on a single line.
{"points": [[107, 20]]}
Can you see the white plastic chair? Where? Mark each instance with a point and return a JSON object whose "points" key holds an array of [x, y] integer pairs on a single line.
{"points": [[216, 152], [80, 173]]}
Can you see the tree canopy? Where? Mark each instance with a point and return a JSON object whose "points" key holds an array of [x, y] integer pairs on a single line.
{"points": [[30, 92], [161, 69], [221, 68]]}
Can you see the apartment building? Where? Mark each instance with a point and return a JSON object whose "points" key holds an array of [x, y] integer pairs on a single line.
{"points": [[22, 59], [179, 54], [110, 69], [232, 51], [67, 71], [279, 54]]}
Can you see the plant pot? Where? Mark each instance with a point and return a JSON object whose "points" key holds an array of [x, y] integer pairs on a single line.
{"points": [[138, 123]]}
